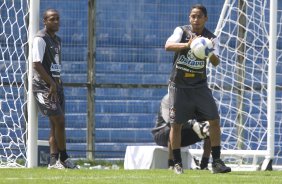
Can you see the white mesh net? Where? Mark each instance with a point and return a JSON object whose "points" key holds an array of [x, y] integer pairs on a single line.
{"points": [[239, 83], [13, 39]]}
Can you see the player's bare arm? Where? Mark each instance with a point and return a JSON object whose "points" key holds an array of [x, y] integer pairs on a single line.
{"points": [[214, 59], [172, 46], [173, 42]]}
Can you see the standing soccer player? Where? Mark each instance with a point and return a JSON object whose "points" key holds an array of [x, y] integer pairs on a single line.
{"points": [[189, 94], [48, 87]]}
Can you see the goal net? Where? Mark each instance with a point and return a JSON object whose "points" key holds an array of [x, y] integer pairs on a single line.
{"points": [[13, 61], [240, 82]]}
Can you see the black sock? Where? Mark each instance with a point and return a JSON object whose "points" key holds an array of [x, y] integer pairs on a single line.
{"points": [[170, 162], [53, 158], [215, 152], [177, 157], [204, 162], [63, 155]]}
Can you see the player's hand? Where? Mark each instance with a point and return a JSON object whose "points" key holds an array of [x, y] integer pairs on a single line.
{"points": [[193, 37], [211, 50], [53, 92], [212, 40]]}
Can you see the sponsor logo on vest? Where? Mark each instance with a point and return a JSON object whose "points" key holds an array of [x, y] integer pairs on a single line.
{"points": [[189, 62], [55, 68]]}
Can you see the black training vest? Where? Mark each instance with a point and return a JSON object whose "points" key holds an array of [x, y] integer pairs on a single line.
{"points": [[186, 64], [51, 59]]}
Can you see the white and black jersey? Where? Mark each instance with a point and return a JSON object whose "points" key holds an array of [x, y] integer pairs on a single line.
{"points": [[185, 63], [47, 50]]}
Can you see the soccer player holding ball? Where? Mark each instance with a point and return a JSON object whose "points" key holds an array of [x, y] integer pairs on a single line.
{"points": [[189, 94]]}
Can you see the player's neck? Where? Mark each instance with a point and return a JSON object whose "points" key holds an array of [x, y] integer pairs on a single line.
{"points": [[198, 31], [51, 33]]}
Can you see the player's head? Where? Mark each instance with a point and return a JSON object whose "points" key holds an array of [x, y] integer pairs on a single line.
{"points": [[51, 20], [198, 16]]}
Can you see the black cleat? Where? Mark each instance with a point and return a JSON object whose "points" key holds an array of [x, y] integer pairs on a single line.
{"points": [[218, 166]]}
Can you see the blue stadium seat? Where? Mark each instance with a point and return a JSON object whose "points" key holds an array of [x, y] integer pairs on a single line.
{"points": [[125, 135], [125, 120], [129, 106], [72, 54], [130, 93], [126, 68]]}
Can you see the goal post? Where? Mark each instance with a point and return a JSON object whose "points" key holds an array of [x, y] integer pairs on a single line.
{"points": [[18, 113], [244, 84], [271, 85], [32, 146]]}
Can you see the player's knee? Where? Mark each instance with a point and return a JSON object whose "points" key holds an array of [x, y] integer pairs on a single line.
{"points": [[214, 122], [52, 140], [176, 127], [58, 121]]}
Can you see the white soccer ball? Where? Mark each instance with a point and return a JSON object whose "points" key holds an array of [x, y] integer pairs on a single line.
{"points": [[201, 47]]}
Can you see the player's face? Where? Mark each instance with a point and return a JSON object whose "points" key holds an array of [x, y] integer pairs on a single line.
{"points": [[197, 19], [52, 21]]}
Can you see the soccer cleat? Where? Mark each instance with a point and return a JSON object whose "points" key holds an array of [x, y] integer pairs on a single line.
{"points": [[170, 164], [171, 168], [178, 169], [218, 166], [204, 168], [69, 164], [201, 129], [57, 165]]}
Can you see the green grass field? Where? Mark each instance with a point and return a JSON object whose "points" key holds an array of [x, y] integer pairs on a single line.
{"points": [[42, 175]]}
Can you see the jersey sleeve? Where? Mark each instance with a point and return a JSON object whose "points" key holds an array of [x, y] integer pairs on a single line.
{"points": [[38, 49], [176, 36]]}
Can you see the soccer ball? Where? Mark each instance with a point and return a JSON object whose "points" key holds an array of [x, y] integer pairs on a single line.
{"points": [[201, 47]]}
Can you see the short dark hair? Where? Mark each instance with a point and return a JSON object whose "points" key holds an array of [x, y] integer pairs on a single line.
{"points": [[49, 10], [200, 7]]}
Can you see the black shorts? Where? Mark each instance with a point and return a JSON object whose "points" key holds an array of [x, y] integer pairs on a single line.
{"points": [[188, 137], [192, 103], [48, 107], [161, 137]]}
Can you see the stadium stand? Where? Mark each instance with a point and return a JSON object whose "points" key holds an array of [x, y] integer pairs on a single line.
{"points": [[130, 37]]}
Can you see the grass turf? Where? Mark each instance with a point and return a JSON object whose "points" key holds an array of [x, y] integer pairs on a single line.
{"points": [[157, 176]]}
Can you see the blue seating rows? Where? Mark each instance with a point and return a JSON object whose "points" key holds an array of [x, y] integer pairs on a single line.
{"points": [[132, 53]]}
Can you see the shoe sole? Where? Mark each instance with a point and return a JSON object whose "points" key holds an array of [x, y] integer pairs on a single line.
{"points": [[224, 171], [178, 172], [55, 168]]}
